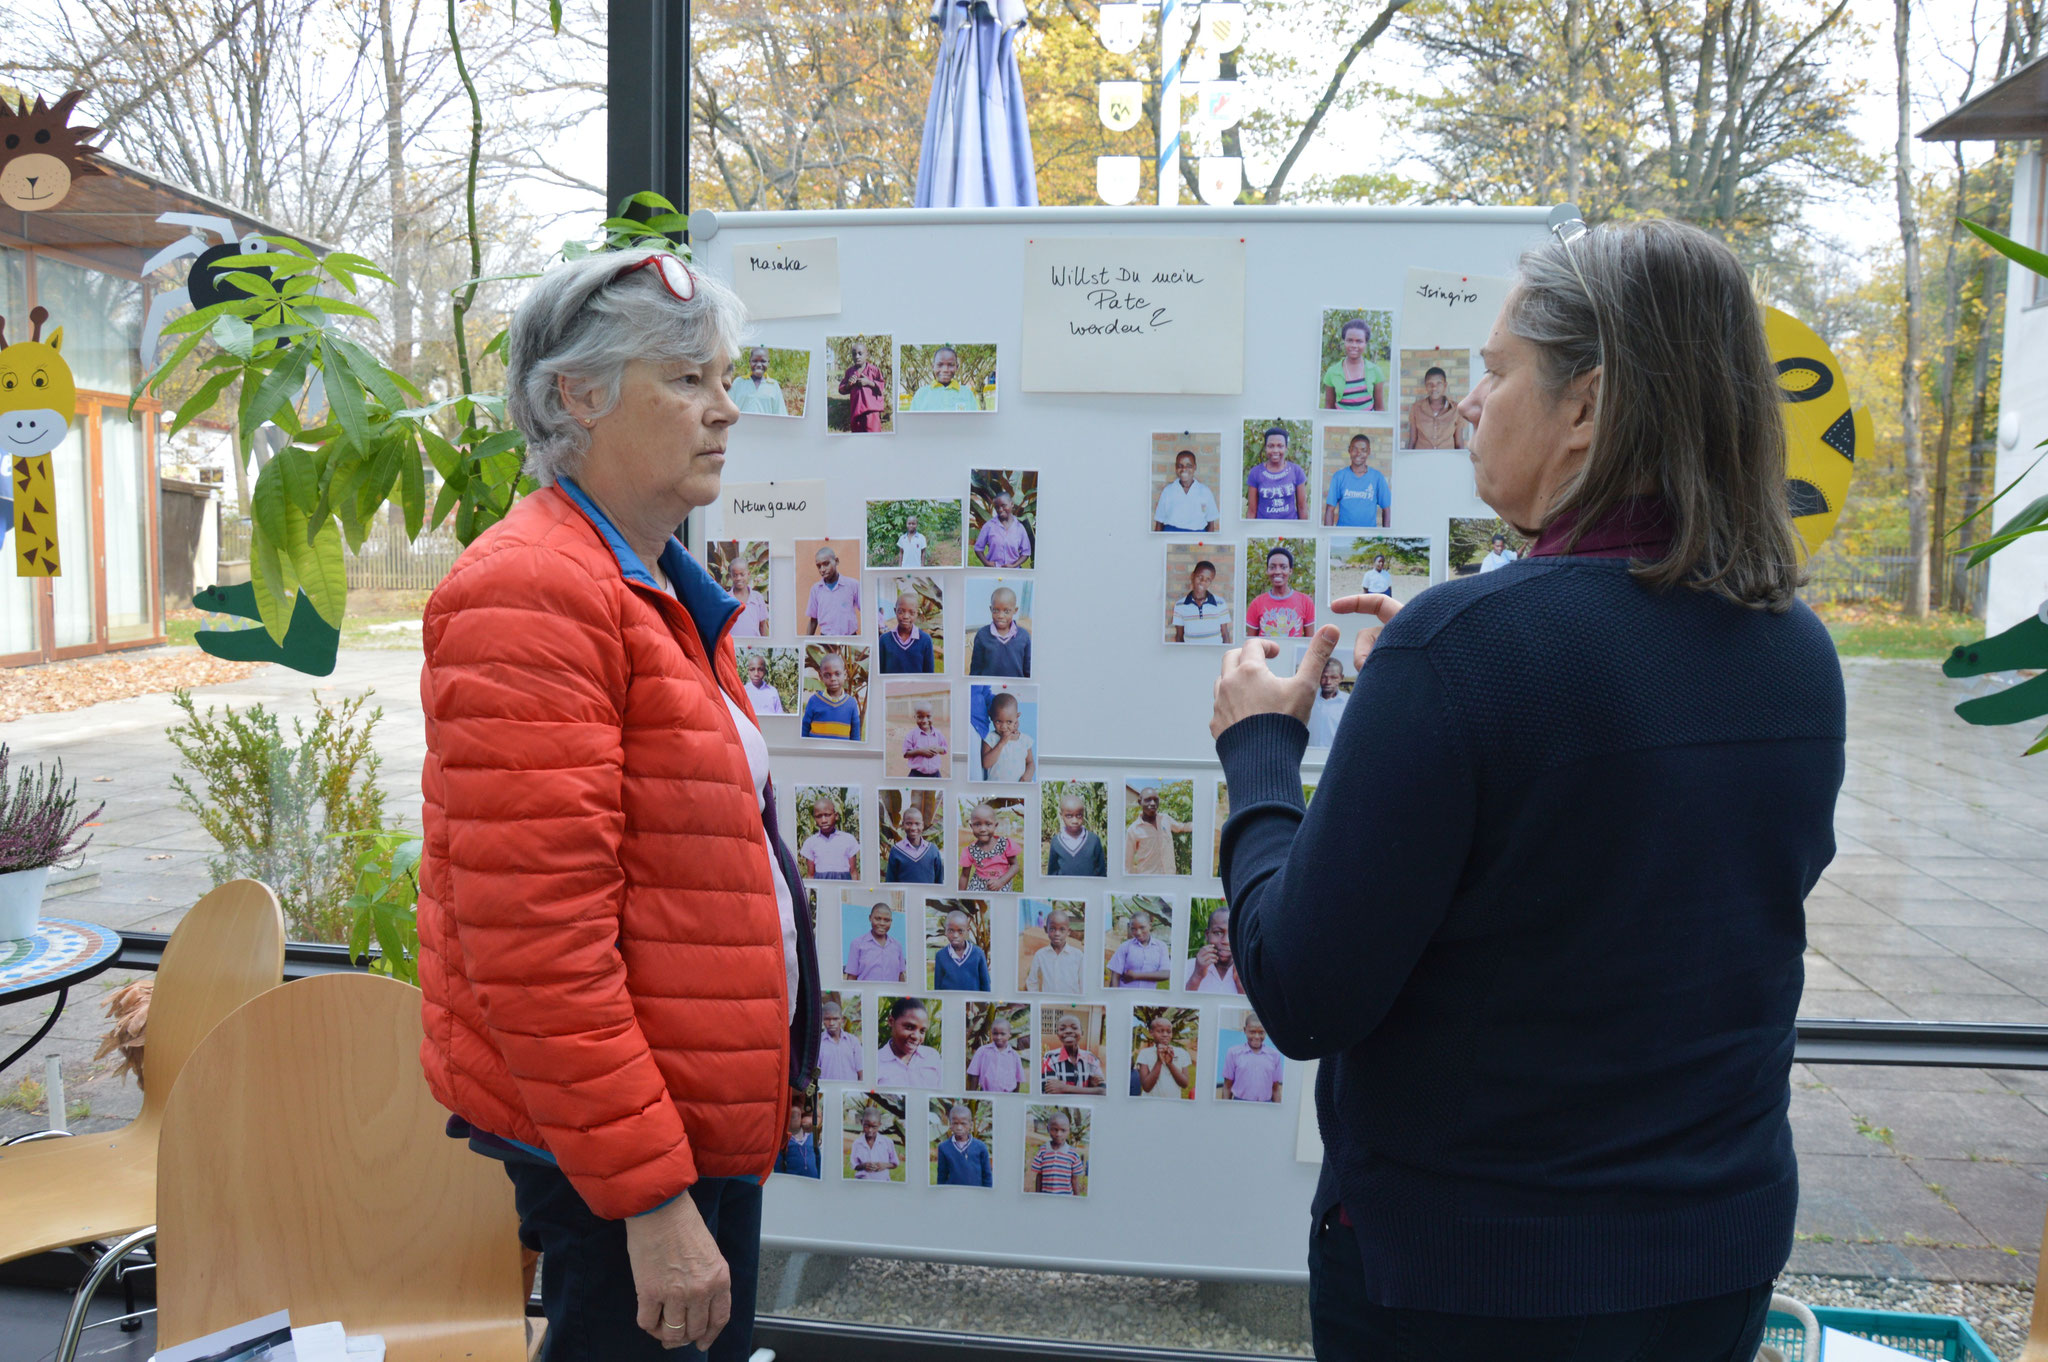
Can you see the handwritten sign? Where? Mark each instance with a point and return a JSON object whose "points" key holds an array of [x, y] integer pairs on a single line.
{"points": [[788, 278], [779, 512], [1445, 310], [1134, 315]]}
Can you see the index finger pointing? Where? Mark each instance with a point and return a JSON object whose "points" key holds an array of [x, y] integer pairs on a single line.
{"points": [[1384, 608]]}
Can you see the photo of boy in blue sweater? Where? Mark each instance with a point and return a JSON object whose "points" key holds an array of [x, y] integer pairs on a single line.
{"points": [[960, 1158]]}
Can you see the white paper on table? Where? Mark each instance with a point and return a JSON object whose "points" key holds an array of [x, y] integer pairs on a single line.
{"points": [[1446, 310], [1134, 314], [234, 1340], [788, 278], [326, 1342], [779, 512], [1836, 1346]]}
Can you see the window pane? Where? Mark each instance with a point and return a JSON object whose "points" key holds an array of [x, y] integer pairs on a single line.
{"points": [[102, 319], [72, 592], [17, 594], [124, 474]]}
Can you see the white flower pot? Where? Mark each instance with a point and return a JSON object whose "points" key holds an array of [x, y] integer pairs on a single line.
{"points": [[21, 901]]}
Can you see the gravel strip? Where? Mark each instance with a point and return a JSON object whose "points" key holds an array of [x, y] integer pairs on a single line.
{"points": [[1998, 1313]]}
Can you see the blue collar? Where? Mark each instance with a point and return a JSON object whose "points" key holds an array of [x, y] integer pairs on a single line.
{"points": [[709, 606]]}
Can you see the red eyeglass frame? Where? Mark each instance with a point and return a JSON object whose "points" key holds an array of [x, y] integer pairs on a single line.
{"points": [[662, 261]]}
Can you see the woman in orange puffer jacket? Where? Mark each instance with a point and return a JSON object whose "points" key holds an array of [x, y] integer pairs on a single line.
{"points": [[620, 995]]}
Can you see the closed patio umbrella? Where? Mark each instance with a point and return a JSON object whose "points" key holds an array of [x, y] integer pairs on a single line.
{"points": [[977, 144]]}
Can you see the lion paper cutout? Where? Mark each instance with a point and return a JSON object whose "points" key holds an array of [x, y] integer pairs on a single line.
{"points": [[40, 155]]}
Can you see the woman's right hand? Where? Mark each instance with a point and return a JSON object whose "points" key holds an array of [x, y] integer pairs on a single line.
{"points": [[1382, 608], [681, 1279]]}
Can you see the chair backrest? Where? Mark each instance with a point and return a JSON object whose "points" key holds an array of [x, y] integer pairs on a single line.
{"points": [[303, 1165], [227, 950]]}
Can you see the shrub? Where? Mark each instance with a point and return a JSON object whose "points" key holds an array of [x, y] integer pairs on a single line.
{"points": [[38, 817]]}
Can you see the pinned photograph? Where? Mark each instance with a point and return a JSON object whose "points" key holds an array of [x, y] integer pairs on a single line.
{"points": [[828, 583], [741, 567], [773, 680], [908, 1055], [999, 1047], [1384, 564], [1159, 826], [1004, 717], [1354, 359], [1166, 1044], [1251, 1070], [841, 1056], [914, 534], [860, 389], [914, 832], [1432, 383], [1052, 945], [999, 623], [1056, 1147], [957, 945], [835, 691], [1002, 517], [963, 1134], [1482, 544], [771, 382], [910, 629], [1201, 582], [1070, 1039], [1275, 464], [1187, 468], [874, 1136], [1138, 948], [917, 729], [799, 1157], [1358, 476], [947, 378], [1073, 828], [1280, 584], [991, 835], [1222, 817], [1211, 967], [1333, 693], [828, 831], [872, 926]]}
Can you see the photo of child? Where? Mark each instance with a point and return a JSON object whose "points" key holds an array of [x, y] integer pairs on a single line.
{"points": [[1051, 945], [946, 378], [914, 534], [1159, 826], [1071, 1037], [1388, 565], [1056, 1151], [1482, 544], [1354, 359], [840, 1054], [828, 831], [873, 929], [1358, 476], [1251, 1070], [835, 687], [1138, 948], [1211, 968], [874, 1136], [741, 567], [1280, 584], [914, 833], [999, 1047], [991, 838], [859, 390], [771, 382], [1432, 384], [908, 1055], [773, 680], [999, 621], [1166, 1044], [910, 624], [799, 1156], [1005, 716], [917, 728], [957, 945], [1333, 693], [828, 583], [1222, 817], [1002, 517], [1201, 581], [962, 1137], [1073, 825], [1275, 470], [1186, 468]]}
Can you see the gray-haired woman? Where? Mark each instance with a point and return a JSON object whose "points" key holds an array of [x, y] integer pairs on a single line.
{"points": [[620, 995]]}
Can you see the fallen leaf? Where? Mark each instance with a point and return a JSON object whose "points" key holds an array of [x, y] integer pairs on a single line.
{"points": [[159, 856], [59, 686]]}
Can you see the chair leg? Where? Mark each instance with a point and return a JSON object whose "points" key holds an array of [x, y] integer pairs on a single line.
{"points": [[81, 1301]]}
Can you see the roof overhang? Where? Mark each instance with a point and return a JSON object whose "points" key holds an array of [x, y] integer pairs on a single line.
{"points": [[2016, 107]]}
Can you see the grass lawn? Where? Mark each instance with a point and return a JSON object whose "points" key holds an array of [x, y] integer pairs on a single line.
{"points": [[1864, 630], [359, 628]]}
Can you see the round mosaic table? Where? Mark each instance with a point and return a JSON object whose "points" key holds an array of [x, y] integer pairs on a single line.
{"points": [[63, 952]]}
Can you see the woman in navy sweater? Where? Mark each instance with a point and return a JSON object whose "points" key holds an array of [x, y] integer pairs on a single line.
{"points": [[1556, 1021]]}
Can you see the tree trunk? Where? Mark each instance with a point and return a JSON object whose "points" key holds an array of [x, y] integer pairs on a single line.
{"points": [[399, 263], [1990, 325], [1574, 114], [1952, 291], [1909, 367]]}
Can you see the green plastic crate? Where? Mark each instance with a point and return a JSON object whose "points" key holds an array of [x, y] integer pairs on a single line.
{"points": [[1932, 1336]]}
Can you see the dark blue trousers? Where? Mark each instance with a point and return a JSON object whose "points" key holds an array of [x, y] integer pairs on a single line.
{"points": [[1350, 1328], [587, 1279]]}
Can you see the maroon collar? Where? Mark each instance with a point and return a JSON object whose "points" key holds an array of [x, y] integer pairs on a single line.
{"points": [[1637, 527]]}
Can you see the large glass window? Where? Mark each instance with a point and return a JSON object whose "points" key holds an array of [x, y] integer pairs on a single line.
{"points": [[125, 494], [71, 593], [102, 319], [17, 594]]}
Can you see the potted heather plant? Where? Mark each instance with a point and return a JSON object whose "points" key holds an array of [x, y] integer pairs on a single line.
{"points": [[38, 819]]}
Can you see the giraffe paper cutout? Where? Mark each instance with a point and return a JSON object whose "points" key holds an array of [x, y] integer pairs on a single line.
{"points": [[37, 397]]}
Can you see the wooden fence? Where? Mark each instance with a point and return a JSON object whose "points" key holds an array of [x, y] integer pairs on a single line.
{"points": [[1880, 579], [386, 561]]}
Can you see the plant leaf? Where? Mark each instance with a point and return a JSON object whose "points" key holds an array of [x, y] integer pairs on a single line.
{"points": [[276, 588], [201, 402], [343, 393], [279, 391], [2007, 247], [234, 335], [412, 487]]}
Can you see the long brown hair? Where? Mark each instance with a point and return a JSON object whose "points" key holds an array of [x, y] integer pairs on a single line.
{"points": [[1688, 409]]}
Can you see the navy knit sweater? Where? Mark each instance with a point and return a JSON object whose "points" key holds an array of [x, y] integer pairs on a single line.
{"points": [[1553, 986]]}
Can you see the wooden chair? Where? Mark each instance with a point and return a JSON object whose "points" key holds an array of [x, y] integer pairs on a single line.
{"points": [[305, 1166], [2036, 1349], [88, 1188]]}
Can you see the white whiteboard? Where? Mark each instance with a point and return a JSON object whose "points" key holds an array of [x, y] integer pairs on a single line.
{"points": [[1200, 1188]]}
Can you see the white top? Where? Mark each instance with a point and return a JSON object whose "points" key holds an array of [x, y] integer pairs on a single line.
{"points": [[1323, 718], [1165, 1087], [1190, 508], [1201, 623], [1496, 560], [757, 766], [1377, 581], [1219, 979], [912, 548], [881, 1150], [1054, 971], [1010, 765]]}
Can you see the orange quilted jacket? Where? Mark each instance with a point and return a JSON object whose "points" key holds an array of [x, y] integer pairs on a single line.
{"points": [[600, 950]]}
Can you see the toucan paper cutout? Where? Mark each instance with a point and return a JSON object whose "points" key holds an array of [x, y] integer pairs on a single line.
{"points": [[37, 397], [39, 155], [1824, 435], [310, 643]]}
